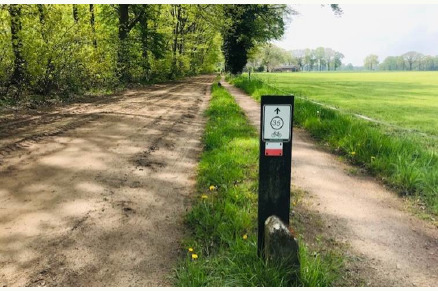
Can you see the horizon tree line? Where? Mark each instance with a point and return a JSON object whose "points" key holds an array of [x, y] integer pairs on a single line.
{"points": [[410, 61], [271, 57]]}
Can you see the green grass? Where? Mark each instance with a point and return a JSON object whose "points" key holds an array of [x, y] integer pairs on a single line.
{"points": [[405, 99], [219, 222], [399, 158]]}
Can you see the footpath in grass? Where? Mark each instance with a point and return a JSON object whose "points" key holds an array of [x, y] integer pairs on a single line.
{"points": [[222, 248], [399, 161]]}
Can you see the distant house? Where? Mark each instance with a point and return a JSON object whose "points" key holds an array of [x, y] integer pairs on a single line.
{"points": [[290, 68]]}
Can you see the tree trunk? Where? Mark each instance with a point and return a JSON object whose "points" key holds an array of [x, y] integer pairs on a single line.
{"points": [[47, 81], [42, 15], [123, 21], [125, 27], [92, 24], [19, 70], [122, 58], [145, 43], [75, 13], [176, 15]]}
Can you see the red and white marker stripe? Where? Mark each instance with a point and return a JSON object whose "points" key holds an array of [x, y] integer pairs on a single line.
{"points": [[274, 149]]}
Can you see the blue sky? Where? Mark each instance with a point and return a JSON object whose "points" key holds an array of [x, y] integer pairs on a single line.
{"points": [[385, 30]]}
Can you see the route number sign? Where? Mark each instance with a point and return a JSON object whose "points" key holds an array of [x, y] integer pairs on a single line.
{"points": [[277, 122], [275, 161]]}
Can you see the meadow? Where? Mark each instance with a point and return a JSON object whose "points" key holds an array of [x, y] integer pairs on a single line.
{"points": [[400, 148], [403, 99]]}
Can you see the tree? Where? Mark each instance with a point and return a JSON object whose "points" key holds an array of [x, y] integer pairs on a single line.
{"points": [[329, 55], [126, 24], [320, 57], [75, 13], [19, 71], [273, 56], [337, 60], [59, 49], [92, 24], [411, 58], [250, 25], [389, 63], [401, 63], [310, 59], [299, 57], [371, 62], [429, 63]]}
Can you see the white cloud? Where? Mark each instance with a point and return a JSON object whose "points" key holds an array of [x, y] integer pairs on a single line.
{"points": [[364, 29]]}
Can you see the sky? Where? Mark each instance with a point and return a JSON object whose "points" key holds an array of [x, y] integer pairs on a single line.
{"points": [[363, 29]]}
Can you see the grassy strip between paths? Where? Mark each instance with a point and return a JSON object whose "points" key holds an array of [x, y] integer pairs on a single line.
{"points": [[399, 161], [222, 249]]}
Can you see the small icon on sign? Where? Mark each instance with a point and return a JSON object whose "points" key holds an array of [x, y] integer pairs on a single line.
{"points": [[276, 134], [277, 110], [277, 123]]}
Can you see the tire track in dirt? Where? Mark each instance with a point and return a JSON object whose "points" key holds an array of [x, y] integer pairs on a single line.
{"points": [[102, 203], [386, 246], [20, 133]]}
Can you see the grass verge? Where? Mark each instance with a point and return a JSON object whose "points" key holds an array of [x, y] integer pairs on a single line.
{"points": [[222, 248], [398, 160]]}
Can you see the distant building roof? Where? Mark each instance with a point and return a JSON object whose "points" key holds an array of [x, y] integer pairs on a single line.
{"points": [[287, 68]]}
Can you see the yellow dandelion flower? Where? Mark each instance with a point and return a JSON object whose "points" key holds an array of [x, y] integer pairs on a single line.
{"points": [[204, 196], [191, 250], [245, 236], [212, 188], [353, 153], [194, 256]]}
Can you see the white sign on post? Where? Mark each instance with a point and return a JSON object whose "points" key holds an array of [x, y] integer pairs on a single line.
{"points": [[277, 122]]}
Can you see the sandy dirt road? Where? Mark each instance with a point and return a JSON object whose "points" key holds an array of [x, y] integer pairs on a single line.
{"points": [[93, 194], [390, 247]]}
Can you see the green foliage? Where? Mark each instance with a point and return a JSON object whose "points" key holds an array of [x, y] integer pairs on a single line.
{"points": [[371, 62], [6, 54], [63, 55], [220, 220], [400, 158], [410, 61], [250, 25]]}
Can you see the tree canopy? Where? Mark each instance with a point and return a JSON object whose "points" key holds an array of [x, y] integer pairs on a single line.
{"points": [[371, 62], [48, 49], [248, 26]]}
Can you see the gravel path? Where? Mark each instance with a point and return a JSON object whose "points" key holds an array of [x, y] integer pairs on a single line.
{"points": [[392, 247], [93, 194]]}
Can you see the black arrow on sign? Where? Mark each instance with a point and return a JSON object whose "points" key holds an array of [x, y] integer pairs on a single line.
{"points": [[277, 110]]}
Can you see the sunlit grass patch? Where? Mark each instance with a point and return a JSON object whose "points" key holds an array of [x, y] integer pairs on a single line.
{"points": [[223, 226]]}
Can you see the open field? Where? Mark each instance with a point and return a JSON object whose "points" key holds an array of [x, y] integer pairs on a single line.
{"points": [[403, 159], [405, 99]]}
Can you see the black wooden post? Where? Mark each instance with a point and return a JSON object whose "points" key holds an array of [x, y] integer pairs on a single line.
{"points": [[275, 161]]}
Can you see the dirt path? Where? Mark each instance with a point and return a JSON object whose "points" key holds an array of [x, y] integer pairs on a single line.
{"points": [[94, 194], [390, 246]]}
